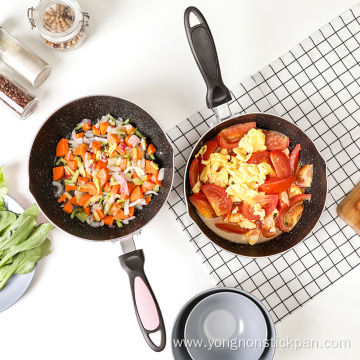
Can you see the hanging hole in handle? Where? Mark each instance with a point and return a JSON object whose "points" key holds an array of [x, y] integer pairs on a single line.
{"points": [[194, 20], [155, 337]]}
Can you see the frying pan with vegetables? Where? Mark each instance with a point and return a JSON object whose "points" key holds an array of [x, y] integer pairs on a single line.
{"points": [[217, 98], [41, 161]]}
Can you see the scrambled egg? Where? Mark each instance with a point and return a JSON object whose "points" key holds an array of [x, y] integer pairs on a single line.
{"points": [[240, 180]]}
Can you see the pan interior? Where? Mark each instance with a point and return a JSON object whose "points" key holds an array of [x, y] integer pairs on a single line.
{"points": [[59, 125], [312, 210]]}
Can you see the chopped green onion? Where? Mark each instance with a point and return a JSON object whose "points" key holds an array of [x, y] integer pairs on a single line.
{"points": [[155, 166], [138, 133], [59, 162], [98, 154], [78, 197], [112, 179], [144, 178], [122, 132], [81, 216], [137, 181], [96, 216], [112, 148], [111, 118], [68, 168], [68, 195], [97, 183], [125, 122], [113, 183], [127, 155], [75, 176], [113, 161], [119, 223], [128, 176], [133, 132], [68, 182], [143, 144], [78, 161], [156, 188], [82, 170], [79, 127], [152, 157], [128, 163], [63, 161]]}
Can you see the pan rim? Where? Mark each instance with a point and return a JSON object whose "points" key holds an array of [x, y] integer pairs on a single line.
{"points": [[137, 231], [238, 115]]}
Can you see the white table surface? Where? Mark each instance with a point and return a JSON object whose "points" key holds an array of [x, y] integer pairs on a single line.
{"points": [[79, 304]]}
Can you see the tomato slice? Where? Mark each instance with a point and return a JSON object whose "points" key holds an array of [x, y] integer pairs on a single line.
{"points": [[275, 185], [267, 226], [194, 172], [211, 146], [281, 164], [232, 228], [260, 157], [290, 215], [275, 140], [304, 176], [294, 159], [218, 198], [267, 202], [230, 137], [202, 205], [283, 200]]}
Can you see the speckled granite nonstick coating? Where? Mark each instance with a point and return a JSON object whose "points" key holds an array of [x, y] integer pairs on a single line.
{"points": [[59, 125], [312, 210]]}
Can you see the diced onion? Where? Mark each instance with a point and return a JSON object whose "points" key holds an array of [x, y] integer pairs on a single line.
{"points": [[161, 174], [59, 188], [134, 140], [131, 218], [126, 207], [113, 168], [150, 192], [142, 172], [73, 136], [85, 121], [137, 202], [100, 139]]}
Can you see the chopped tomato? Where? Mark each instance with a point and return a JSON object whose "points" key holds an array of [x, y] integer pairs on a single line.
{"points": [[294, 159], [267, 202], [283, 199], [260, 157], [236, 132], [202, 205], [211, 146], [275, 185], [281, 164], [304, 176], [194, 172], [224, 144], [267, 226], [232, 228], [275, 140], [218, 198]]}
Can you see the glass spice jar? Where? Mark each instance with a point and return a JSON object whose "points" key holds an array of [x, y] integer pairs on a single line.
{"points": [[61, 24], [16, 98]]}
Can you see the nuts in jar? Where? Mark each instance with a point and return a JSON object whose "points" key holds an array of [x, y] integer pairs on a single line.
{"points": [[16, 98], [61, 23]]}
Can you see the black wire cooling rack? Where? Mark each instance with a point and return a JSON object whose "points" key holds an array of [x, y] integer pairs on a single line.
{"points": [[316, 86]]}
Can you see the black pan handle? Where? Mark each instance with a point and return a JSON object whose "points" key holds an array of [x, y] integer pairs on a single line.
{"points": [[146, 306], [203, 48]]}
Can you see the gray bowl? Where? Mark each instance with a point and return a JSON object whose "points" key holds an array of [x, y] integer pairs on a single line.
{"points": [[179, 349]]}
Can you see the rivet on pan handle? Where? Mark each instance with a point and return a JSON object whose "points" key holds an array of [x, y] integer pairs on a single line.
{"points": [[203, 48], [146, 307]]}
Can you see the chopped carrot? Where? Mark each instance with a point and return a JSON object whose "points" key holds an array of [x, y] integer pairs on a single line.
{"points": [[123, 164], [155, 179], [87, 210], [112, 139], [131, 211], [113, 154], [93, 189], [131, 187], [148, 199], [88, 175], [68, 207], [107, 186], [69, 156], [108, 220], [86, 127], [62, 198], [115, 208], [136, 154], [128, 128], [126, 141], [100, 165], [73, 201], [70, 187], [124, 196], [147, 185], [58, 173], [100, 213], [82, 180], [135, 175], [84, 199], [136, 194], [149, 169], [103, 127], [115, 189], [151, 149], [79, 135], [62, 148], [120, 215], [96, 131], [81, 150], [95, 146], [72, 164], [102, 176]]}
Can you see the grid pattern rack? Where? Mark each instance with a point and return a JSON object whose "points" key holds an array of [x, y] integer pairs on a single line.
{"points": [[316, 85]]}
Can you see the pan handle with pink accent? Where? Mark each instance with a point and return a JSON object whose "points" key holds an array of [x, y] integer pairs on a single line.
{"points": [[203, 48], [146, 306]]}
